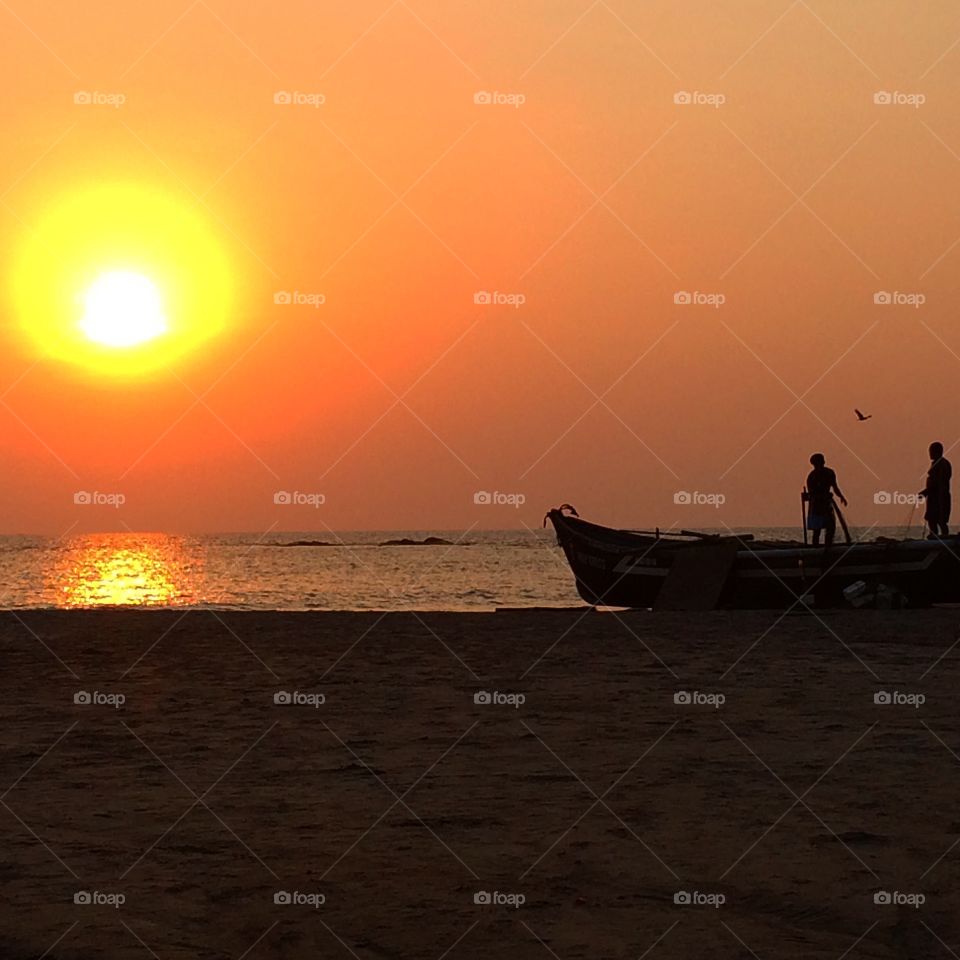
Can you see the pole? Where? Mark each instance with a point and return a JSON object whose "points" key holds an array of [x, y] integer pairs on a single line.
{"points": [[803, 513], [843, 523], [906, 533]]}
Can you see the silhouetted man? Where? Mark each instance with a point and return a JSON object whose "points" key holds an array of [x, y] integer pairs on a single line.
{"points": [[821, 485], [937, 493]]}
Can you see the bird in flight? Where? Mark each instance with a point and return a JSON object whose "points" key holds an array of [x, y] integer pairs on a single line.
{"points": [[861, 416]]}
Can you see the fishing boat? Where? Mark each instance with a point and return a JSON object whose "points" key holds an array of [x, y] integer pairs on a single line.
{"points": [[691, 570]]}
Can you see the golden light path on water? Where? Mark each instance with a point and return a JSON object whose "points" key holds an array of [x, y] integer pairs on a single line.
{"points": [[120, 570], [355, 570]]}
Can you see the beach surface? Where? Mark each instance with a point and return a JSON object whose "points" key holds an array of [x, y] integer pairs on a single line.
{"points": [[538, 762]]}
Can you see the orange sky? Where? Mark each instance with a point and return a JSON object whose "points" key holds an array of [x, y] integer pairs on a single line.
{"points": [[597, 199]]}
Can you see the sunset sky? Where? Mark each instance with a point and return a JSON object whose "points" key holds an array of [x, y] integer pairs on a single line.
{"points": [[336, 156]]}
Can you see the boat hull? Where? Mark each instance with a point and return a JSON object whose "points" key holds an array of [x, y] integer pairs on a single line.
{"points": [[624, 569]]}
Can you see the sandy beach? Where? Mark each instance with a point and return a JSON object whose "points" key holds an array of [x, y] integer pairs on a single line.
{"points": [[582, 799]]}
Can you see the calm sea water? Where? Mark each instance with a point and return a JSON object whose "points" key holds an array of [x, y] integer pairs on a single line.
{"points": [[481, 570]]}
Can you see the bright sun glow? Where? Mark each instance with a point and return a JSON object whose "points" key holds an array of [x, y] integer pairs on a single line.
{"points": [[120, 281], [122, 309]]}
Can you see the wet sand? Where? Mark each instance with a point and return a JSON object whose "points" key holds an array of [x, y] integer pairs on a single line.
{"points": [[597, 799]]}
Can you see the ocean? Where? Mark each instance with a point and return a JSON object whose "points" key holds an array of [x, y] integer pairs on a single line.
{"points": [[473, 571]]}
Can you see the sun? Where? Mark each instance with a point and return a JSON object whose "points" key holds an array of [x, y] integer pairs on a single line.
{"points": [[120, 281], [123, 309]]}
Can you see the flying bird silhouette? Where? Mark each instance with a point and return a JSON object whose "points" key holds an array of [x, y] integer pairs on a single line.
{"points": [[861, 416]]}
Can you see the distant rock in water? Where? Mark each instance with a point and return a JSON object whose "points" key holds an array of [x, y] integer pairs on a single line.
{"points": [[308, 543], [428, 542]]}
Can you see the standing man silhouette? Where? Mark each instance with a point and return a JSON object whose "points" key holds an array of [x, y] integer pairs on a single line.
{"points": [[937, 493], [821, 485]]}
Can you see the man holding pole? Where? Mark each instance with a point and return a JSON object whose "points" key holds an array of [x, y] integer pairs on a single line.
{"points": [[821, 510], [937, 493]]}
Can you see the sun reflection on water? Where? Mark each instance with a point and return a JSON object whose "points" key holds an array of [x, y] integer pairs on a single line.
{"points": [[126, 570]]}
